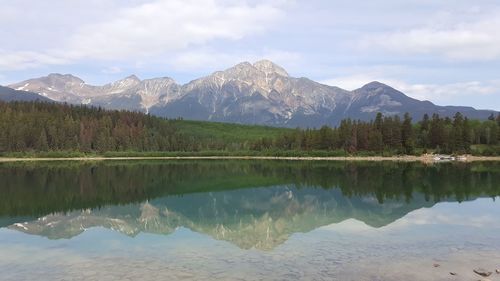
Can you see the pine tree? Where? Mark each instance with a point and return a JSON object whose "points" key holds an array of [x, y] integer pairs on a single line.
{"points": [[42, 144], [467, 135], [407, 135], [378, 121], [423, 135], [457, 141], [436, 131]]}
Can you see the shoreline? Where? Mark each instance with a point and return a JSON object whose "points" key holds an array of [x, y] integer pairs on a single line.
{"points": [[407, 158]]}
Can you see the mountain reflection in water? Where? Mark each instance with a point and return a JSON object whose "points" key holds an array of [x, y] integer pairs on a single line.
{"points": [[252, 204]]}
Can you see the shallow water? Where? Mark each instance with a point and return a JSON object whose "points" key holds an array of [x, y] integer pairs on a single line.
{"points": [[248, 220]]}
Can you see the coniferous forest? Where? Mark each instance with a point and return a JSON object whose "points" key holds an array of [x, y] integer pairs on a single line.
{"points": [[45, 127]]}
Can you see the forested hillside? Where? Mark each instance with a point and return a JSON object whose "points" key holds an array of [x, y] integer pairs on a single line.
{"points": [[33, 126], [41, 127]]}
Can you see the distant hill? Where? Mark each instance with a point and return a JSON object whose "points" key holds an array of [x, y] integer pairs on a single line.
{"points": [[8, 94], [259, 93]]}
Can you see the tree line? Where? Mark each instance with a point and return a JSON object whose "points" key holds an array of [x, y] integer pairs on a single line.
{"points": [[36, 126], [393, 135], [39, 126]]}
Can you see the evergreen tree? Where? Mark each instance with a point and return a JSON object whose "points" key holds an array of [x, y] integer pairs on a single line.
{"points": [[378, 121], [467, 135], [436, 131], [407, 135], [42, 143], [457, 142]]}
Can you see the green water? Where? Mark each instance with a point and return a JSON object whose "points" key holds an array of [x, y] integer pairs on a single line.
{"points": [[250, 220]]}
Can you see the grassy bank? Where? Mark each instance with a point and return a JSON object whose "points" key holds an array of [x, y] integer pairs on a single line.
{"points": [[427, 158], [264, 153]]}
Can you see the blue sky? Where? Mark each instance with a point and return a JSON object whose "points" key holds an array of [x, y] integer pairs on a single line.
{"points": [[444, 51]]}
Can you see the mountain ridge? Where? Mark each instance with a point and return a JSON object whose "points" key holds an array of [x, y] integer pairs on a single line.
{"points": [[8, 94], [259, 93]]}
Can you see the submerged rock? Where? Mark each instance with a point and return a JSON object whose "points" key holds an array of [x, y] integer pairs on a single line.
{"points": [[482, 272]]}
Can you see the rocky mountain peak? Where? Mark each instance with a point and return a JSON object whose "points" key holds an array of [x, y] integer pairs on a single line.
{"points": [[160, 79], [258, 69], [125, 83], [374, 85], [64, 78], [132, 77], [269, 67], [377, 88], [242, 67]]}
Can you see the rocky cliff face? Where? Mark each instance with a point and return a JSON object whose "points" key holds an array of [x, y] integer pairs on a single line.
{"points": [[259, 93]]}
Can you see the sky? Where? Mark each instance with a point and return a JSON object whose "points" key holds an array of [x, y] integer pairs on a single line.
{"points": [[444, 51]]}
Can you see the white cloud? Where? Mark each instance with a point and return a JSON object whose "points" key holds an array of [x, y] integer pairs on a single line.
{"points": [[447, 92], [455, 39], [446, 213], [27, 59], [211, 60], [146, 30], [112, 70], [162, 26]]}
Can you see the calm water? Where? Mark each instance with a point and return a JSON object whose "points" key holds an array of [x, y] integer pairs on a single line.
{"points": [[248, 220]]}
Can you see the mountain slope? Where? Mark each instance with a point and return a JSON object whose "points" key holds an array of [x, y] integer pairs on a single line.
{"points": [[259, 93], [377, 97], [8, 94]]}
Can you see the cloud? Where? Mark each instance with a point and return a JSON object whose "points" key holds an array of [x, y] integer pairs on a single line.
{"points": [[447, 92], [455, 39], [478, 213], [146, 30], [112, 70], [163, 26], [19, 60], [210, 59]]}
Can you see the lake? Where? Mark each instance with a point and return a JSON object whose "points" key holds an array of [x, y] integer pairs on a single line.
{"points": [[248, 220]]}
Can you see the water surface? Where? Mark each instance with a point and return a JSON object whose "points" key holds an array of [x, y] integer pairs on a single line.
{"points": [[248, 220]]}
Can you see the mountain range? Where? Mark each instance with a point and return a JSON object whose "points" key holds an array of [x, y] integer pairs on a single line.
{"points": [[259, 93]]}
